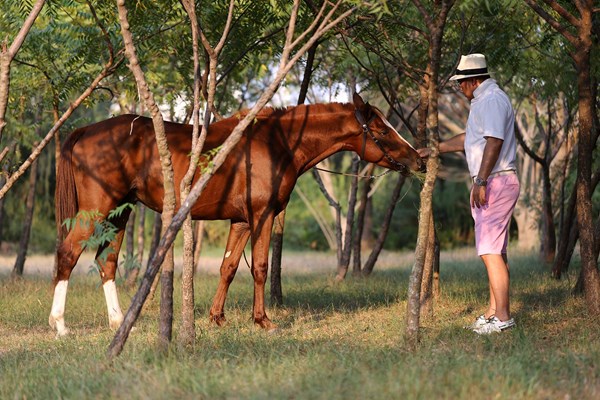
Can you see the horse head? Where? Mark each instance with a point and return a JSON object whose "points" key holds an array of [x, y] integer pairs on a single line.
{"points": [[382, 144]]}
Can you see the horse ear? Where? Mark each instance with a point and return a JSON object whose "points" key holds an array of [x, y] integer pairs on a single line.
{"points": [[358, 101]]}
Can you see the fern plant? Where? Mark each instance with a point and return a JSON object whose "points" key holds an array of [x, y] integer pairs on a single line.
{"points": [[104, 232]]}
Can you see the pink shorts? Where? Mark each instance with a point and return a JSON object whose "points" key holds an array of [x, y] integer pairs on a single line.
{"points": [[493, 219]]}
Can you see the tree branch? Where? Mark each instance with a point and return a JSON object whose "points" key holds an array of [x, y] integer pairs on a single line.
{"points": [[552, 21]]}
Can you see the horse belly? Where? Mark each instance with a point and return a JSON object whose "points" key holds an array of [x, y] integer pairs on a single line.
{"points": [[219, 203]]}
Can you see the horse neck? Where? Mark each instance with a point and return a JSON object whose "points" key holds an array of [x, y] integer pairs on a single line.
{"points": [[322, 134]]}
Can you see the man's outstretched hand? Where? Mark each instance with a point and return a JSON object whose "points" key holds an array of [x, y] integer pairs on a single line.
{"points": [[425, 152]]}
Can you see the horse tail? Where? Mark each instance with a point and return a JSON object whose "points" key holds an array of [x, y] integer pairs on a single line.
{"points": [[66, 192]]}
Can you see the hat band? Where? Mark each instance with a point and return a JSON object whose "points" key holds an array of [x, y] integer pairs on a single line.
{"points": [[471, 71]]}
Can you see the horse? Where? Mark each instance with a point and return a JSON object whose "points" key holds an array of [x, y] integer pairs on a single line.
{"points": [[115, 161]]}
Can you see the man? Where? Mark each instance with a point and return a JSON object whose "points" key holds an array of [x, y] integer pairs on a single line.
{"points": [[490, 148]]}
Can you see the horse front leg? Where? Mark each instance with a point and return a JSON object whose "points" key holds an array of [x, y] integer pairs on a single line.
{"points": [[261, 240], [239, 232]]}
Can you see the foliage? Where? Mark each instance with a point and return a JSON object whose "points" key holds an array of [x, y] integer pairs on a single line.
{"points": [[104, 230], [380, 51]]}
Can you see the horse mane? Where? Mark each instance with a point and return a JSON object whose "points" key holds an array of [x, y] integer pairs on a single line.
{"points": [[278, 112]]}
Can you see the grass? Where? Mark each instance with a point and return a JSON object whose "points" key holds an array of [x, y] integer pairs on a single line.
{"points": [[337, 341]]}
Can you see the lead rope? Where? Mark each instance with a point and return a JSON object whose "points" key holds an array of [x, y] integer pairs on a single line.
{"points": [[365, 127], [354, 175]]}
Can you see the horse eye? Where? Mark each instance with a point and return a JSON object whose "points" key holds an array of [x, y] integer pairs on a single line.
{"points": [[385, 132]]}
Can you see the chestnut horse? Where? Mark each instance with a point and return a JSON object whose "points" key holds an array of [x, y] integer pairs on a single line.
{"points": [[116, 161]]}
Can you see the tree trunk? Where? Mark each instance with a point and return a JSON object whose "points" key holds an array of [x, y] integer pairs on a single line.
{"points": [[3, 175], [166, 304], [428, 272], [277, 240], [435, 27], [585, 220], [527, 210], [276, 290], [360, 222], [568, 232], [187, 334], [198, 240], [129, 233], [156, 230], [135, 271], [26, 233], [548, 248], [8, 54], [344, 261], [334, 205]]}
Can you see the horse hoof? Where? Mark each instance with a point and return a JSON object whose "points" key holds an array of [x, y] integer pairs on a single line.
{"points": [[62, 333], [218, 320], [267, 326], [59, 326], [115, 324]]}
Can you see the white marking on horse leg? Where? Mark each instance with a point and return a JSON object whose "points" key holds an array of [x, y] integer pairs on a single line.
{"points": [[228, 254], [115, 316], [57, 314]]}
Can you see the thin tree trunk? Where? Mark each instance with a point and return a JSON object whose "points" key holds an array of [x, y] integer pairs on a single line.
{"points": [[5, 169], [435, 25], [134, 273], [344, 261], [8, 54], [569, 234], [548, 248], [26, 233], [166, 304], [337, 213], [360, 222], [428, 271], [187, 334], [276, 289], [156, 230], [129, 233], [278, 227], [198, 240]]}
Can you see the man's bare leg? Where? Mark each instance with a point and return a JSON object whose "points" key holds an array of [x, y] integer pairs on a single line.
{"points": [[499, 279]]}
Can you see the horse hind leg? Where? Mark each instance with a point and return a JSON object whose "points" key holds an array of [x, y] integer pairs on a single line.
{"points": [[67, 254], [107, 258], [260, 265], [239, 232]]}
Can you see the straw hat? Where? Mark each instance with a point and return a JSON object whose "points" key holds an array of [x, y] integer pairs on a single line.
{"points": [[470, 66]]}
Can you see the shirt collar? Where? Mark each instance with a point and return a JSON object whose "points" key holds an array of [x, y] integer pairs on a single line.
{"points": [[483, 87]]}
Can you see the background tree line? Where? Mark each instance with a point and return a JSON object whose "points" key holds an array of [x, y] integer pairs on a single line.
{"points": [[536, 52]]}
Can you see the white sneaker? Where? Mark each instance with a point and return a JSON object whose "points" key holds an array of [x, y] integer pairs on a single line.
{"points": [[493, 325], [479, 322]]}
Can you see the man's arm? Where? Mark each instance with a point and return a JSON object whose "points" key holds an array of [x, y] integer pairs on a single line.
{"points": [[455, 143], [491, 153]]}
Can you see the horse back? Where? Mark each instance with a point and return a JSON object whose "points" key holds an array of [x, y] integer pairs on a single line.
{"points": [[117, 159]]}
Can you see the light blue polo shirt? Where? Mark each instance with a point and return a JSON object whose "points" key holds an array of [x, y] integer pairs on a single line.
{"points": [[491, 115]]}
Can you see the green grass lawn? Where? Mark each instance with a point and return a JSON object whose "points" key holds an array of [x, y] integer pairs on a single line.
{"points": [[337, 341]]}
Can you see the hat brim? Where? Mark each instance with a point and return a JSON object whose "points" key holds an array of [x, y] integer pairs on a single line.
{"points": [[459, 77]]}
